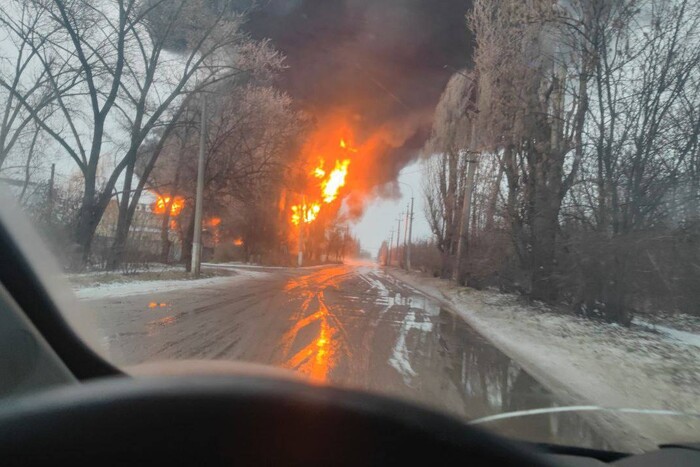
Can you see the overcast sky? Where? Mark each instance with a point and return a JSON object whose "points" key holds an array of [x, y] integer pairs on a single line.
{"points": [[380, 216]]}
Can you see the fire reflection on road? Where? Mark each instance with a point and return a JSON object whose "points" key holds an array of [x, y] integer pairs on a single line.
{"points": [[317, 280], [321, 353], [318, 357]]}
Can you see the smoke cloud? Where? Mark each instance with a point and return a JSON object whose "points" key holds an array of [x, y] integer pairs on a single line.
{"points": [[381, 64]]}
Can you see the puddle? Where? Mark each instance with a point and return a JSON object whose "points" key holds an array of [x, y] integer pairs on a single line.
{"points": [[491, 383], [473, 379]]}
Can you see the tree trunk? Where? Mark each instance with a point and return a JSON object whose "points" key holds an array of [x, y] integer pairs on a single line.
{"points": [[544, 230], [493, 200], [27, 165], [450, 212], [463, 241], [118, 250], [85, 224], [515, 220]]}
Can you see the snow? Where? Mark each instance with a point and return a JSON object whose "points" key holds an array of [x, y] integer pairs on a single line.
{"points": [[400, 357], [137, 287], [684, 337], [149, 268], [376, 284], [588, 362], [121, 289]]}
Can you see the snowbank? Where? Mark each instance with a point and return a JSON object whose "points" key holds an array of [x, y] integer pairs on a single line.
{"points": [[589, 362], [689, 338], [124, 289]]}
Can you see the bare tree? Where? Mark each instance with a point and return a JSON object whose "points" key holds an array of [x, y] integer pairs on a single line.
{"points": [[120, 60], [213, 54], [449, 171], [643, 133], [23, 81], [590, 110], [532, 109]]}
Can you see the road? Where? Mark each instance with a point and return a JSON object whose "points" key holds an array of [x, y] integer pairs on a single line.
{"points": [[355, 326]]}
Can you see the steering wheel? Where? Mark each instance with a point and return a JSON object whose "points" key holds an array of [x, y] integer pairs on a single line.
{"points": [[215, 420]]}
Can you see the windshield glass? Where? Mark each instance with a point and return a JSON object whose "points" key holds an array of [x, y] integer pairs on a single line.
{"points": [[484, 206]]}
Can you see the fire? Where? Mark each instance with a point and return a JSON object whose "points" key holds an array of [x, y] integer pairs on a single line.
{"points": [[238, 241], [318, 171], [305, 212], [214, 221], [344, 145], [335, 181], [175, 208], [330, 186]]}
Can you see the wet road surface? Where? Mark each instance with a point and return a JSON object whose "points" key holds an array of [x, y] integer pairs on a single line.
{"points": [[352, 326]]}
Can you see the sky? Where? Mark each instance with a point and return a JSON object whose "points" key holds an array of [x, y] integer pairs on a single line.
{"points": [[380, 216]]}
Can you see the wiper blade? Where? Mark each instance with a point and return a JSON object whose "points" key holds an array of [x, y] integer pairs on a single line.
{"points": [[580, 408]]}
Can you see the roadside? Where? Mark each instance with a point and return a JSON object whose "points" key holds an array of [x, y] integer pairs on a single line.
{"points": [[587, 362], [87, 286], [152, 272], [236, 266]]}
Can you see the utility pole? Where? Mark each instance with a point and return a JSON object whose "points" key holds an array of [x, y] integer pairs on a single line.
{"points": [[346, 240], [466, 207], [405, 238], [463, 240], [410, 231], [51, 199], [300, 254], [410, 227], [398, 242], [198, 207], [388, 255]]}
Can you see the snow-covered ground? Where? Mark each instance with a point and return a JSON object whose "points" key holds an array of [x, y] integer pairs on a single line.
{"points": [[151, 267], [589, 362], [106, 284], [138, 287], [685, 337]]}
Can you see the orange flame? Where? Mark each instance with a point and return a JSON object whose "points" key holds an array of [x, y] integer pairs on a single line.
{"points": [[318, 171], [344, 145], [214, 221], [335, 181], [330, 186], [305, 212], [175, 208], [238, 241]]}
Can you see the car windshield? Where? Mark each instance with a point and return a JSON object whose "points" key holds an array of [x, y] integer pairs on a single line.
{"points": [[483, 206]]}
